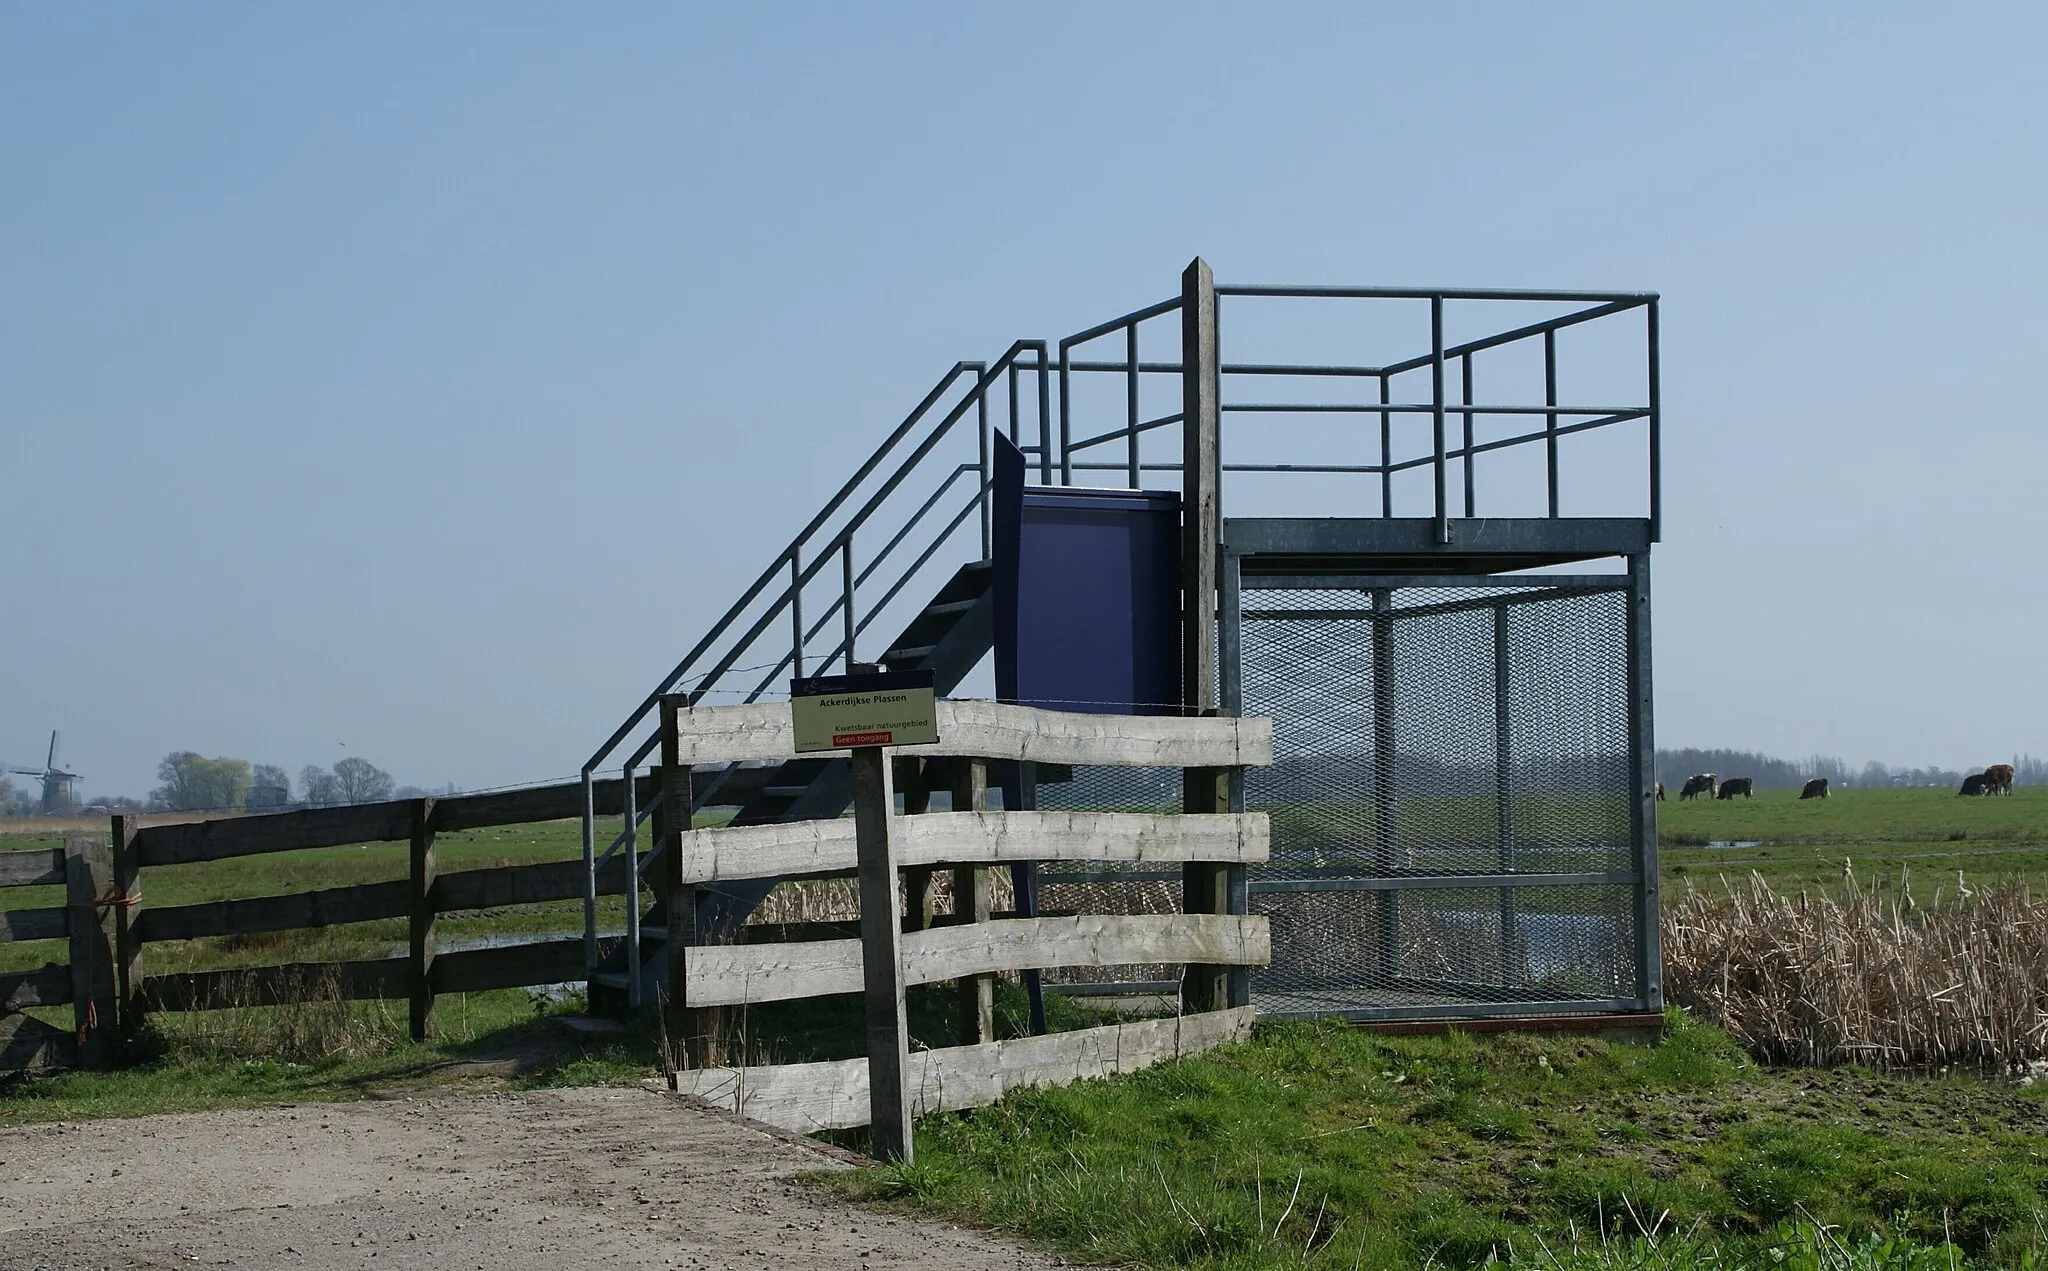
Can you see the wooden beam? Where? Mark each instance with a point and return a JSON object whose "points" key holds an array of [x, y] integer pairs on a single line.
{"points": [[730, 975], [973, 902], [274, 985], [513, 965], [34, 924], [1201, 472], [127, 920], [807, 1098], [881, 957], [523, 884], [699, 1031], [364, 902], [786, 849], [89, 894], [194, 841], [994, 730], [35, 868], [48, 985], [1205, 889], [420, 925], [27, 1042]]}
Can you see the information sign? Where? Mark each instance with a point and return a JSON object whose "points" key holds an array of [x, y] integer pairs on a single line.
{"points": [[882, 708]]}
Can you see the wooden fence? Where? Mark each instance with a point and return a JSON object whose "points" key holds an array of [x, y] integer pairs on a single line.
{"points": [[83, 868], [110, 928], [891, 853]]}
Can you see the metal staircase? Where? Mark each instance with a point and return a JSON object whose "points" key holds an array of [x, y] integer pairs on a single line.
{"points": [[907, 541]]}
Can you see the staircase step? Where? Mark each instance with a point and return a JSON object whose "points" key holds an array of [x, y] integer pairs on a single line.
{"points": [[610, 979], [783, 792], [943, 608], [652, 931], [912, 653]]}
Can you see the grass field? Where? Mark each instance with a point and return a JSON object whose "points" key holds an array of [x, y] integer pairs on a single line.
{"points": [[1317, 1146], [1928, 834]]}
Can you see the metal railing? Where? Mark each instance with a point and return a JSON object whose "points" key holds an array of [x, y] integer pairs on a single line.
{"points": [[917, 523]]}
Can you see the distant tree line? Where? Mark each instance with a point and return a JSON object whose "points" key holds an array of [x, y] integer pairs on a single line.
{"points": [[194, 783], [1770, 772]]}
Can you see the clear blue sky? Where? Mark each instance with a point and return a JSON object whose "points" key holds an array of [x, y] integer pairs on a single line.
{"points": [[359, 363]]}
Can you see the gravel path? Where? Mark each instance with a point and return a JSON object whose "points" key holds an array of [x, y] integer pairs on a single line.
{"points": [[559, 1179]]}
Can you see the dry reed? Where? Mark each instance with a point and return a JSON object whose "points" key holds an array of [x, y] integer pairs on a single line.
{"points": [[1862, 975]]}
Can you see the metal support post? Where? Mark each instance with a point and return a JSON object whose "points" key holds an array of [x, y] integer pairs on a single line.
{"points": [[1436, 414], [1504, 790], [632, 889], [1386, 851], [1642, 782]]}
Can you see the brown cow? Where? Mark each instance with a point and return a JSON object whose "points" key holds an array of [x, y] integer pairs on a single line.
{"points": [[1734, 786], [1695, 786], [1973, 785], [1815, 789], [1660, 792], [1998, 779]]}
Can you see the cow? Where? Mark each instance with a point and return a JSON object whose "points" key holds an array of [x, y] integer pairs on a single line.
{"points": [[1815, 789], [1998, 779], [1695, 786], [1734, 786], [1660, 792], [1973, 785]]}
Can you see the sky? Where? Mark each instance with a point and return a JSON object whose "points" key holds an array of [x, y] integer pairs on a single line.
{"points": [[418, 383]]}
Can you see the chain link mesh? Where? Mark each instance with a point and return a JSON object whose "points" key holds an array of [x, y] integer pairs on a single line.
{"points": [[1425, 735]]}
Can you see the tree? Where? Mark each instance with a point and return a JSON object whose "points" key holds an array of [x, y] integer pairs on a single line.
{"points": [[318, 787], [194, 783], [362, 781]]}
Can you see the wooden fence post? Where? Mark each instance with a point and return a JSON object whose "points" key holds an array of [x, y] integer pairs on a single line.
{"points": [[127, 923], [913, 779], [972, 903], [422, 970], [1205, 889], [672, 816], [881, 938], [89, 898]]}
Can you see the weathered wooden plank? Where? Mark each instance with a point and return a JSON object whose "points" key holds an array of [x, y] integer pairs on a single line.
{"points": [[834, 1095], [48, 985], [794, 848], [726, 975], [512, 966], [536, 803], [27, 1042], [34, 924], [881, 961], [91, 899], [38, 868], [276, 832], [994, 730], [271, 985], [420, 924], [364, 902], [127, 920], [523, 884]]}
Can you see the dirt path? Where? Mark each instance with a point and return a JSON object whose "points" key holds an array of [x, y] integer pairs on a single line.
{"points": [[562, 1180]]}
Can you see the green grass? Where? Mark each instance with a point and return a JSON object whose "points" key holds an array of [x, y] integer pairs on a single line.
{"points": [[234, 1059], [1320, 1146], [1930, 834]]}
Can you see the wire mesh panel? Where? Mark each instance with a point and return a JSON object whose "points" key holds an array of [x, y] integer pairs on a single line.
{"points": [[1451, 797], [1110, 887]]}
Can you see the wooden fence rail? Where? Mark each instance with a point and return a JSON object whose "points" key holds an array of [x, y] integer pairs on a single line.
{"points": [[85, 921], [900, 946]]}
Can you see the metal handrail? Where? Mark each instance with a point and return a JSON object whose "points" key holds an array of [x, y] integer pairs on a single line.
{"points": [[814, 549]]}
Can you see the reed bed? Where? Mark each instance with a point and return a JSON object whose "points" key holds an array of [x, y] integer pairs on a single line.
{"points": [[1860, 974]]}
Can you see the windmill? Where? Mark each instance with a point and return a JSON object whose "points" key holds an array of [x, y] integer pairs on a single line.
{"points": [[56, 781]]}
